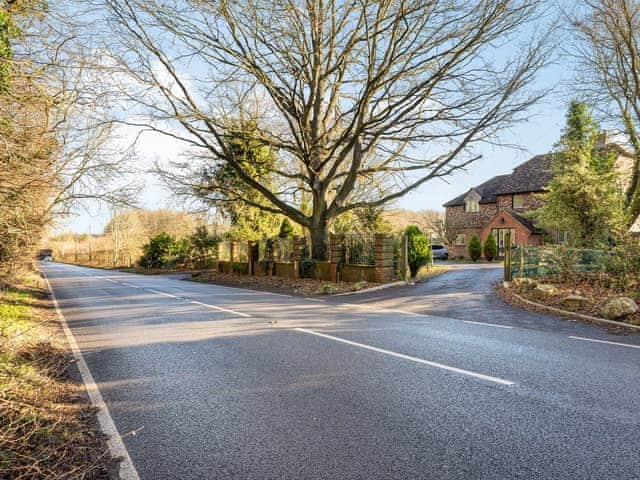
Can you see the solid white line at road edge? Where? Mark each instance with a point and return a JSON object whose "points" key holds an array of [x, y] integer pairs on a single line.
{"points": [[114, 441], [412, 359], [605, 341]]}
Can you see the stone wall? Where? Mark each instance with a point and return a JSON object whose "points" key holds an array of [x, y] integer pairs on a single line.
{"points": [[530, 202], [470, 220]]}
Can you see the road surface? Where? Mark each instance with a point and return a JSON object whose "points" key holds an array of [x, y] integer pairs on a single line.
{"points": [[226, 383]]}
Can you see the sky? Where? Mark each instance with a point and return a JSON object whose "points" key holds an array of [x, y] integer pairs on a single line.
{"points": [[537, 135]]}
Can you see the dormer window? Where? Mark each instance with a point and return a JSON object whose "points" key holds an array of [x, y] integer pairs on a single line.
{"points": [[472, 206], [518, 202], [472, 202]]}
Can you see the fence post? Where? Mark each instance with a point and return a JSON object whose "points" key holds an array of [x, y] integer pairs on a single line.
{"points": [[298, 247], [522, 252], [507, 257], [336, 255], [251, 250], [405, 273], [232, 251]]}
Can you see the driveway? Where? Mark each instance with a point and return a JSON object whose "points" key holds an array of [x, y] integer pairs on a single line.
{"points": [[466, 292]]}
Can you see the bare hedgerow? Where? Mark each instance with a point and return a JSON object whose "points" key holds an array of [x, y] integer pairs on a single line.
{"points": [[47, 428]]}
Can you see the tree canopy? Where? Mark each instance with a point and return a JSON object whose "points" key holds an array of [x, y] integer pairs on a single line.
{"points": [[584, 197], [359, 102]]}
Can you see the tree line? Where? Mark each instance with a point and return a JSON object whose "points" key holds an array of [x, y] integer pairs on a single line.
{"points": [[320, 111]]}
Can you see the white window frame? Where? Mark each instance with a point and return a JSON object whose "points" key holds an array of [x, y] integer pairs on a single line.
{"points": [[520, 197], [461, 240], [471, 206]]}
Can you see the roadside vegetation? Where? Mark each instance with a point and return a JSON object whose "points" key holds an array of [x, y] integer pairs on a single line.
{"points": [[596, 270], [48, 430]]}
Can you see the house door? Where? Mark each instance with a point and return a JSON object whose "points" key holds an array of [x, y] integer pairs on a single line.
{"points": [[500, 234]]}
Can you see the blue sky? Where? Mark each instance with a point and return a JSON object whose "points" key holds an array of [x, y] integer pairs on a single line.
{"points": [[537, 135]]}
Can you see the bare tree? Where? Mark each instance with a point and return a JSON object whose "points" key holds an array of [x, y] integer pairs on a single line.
{"points": [[608, 53], [362, 101], [55, 145]]}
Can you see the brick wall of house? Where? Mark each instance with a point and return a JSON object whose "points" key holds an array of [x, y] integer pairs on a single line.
{"points": [[523, 235], [530, 201], [479, 224], [458, 217]]}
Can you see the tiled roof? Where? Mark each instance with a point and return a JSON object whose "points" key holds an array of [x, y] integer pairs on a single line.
{"points": [[486, 190], [527, 222], [532, 176]]}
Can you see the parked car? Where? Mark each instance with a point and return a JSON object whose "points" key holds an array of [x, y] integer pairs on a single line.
{"points": [[440, 252]]}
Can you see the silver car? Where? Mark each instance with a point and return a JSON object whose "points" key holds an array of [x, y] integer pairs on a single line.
{"points": [[440, 252]]}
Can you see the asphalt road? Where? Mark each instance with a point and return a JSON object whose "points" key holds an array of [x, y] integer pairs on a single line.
{"points": [[227, 383]]}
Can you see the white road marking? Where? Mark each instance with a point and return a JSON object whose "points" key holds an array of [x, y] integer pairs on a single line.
{"points": [[412, 359], [488, 324], [605, 341], [169, 295], [114, 441], [131, 285], [158, 292], [240, 314]]}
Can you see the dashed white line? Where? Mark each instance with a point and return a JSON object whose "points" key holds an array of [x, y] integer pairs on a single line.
{"points": [[194, 302], [488, 324], [442, 366], [114, 441], [158, 292], [605, 341], [215, 307]]}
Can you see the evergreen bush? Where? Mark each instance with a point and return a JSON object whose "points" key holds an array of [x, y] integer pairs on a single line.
{"points": [[475, 248], [490, 248], [419, 253]]}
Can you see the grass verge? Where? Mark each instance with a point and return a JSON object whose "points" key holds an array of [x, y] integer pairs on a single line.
{"points": [[430, 271], [48, 430]]}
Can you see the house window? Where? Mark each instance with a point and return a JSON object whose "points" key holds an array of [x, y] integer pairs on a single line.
{"points": [[518, 201], [461, 240], [472, 205]]}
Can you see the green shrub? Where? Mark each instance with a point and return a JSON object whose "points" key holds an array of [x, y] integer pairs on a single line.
{"points": [[475, 248], [286, 229], [490, 248], [203, 246], [623, 265], [306, 268], [419, 253], [156, 253]]}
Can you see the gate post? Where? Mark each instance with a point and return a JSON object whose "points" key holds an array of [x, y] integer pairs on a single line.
{"points": [[507, 257], [254, 256]]}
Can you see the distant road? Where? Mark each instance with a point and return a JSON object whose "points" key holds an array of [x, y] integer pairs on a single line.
{"points": [[224, 383]]}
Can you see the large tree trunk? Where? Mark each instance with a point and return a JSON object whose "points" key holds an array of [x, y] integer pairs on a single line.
{"points": [[319, 227], [320, 242]]}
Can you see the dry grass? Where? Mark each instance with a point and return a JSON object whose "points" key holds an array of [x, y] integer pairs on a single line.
{"points": [[430, 271], [48, 430]]}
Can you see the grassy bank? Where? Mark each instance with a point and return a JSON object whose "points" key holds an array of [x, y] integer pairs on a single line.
{"points": [[48, 429]]}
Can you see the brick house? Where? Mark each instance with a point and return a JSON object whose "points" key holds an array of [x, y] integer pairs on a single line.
{"points": [[500, 205]]}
